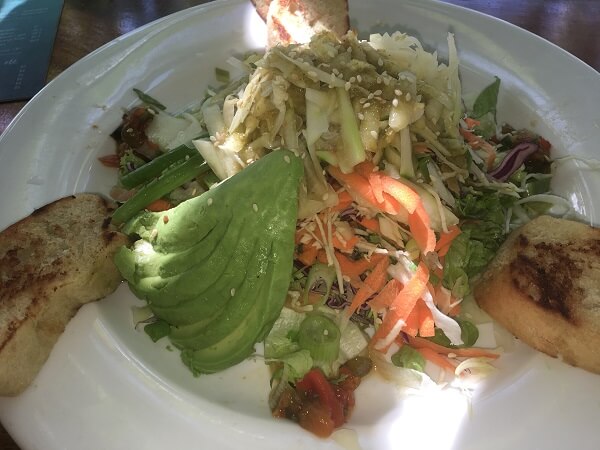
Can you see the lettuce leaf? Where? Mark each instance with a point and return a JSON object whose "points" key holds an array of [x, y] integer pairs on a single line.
{"points": [[483, 231]]}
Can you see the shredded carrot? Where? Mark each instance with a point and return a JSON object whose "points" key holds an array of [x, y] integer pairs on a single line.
{"points": [[403, 304], [374, 282], [437, 359], [455, 310], [308, 255], [471, 352], [344, 201], [354, 268], [442, 298], [159, 205], [443, 251], [322, 256], [421, 148], [346, 245], [420, 227], [472, 123], [426, 323], [370, 224], [478, 142], [447, 238], [387, 295], [361, 187], [375, 180], [412, 323], [365, 169], [405, 195]]}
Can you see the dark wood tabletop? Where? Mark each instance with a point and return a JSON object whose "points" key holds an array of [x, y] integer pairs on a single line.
{"points": [[86, 25]]}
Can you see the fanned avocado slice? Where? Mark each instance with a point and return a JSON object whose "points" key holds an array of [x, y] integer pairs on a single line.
{"points": [[239, 307], [258, 206], [202, 307], [239, 344], [188, 284]]}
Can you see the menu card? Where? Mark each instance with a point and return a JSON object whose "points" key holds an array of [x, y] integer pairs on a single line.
{"points": [[27, 32]]}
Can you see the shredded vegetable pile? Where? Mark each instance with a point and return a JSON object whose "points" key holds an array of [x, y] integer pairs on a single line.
{"points": [[406, 196]]}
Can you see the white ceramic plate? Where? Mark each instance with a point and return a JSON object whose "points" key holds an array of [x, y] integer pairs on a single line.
{"points": [[107, 386]]}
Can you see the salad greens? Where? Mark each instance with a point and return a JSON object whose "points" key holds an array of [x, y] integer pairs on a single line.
{"points": [[357, 242]]}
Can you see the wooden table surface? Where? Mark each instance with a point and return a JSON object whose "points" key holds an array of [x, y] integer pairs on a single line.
{"points": [[85, 25]]}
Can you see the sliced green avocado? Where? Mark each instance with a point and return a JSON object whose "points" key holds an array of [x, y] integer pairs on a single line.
{"points": [[186, 285], [237, 345], [174, 263], [239, 307], [203, 306], [191, 261]]}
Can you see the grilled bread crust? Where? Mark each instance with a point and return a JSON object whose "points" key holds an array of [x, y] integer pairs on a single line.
{"points": [[295, 21], [544, 287], [51, 263], [262, 8]]}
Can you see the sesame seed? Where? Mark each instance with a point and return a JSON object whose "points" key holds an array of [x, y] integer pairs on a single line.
{"points": [[374, 134], [352, 80], [325, 332], [325, 196], [359, 78], [286, 158], [213, 139], [419, 97], [398, 92], [255, 207], [347, 85], [370, 96], [380, 62], [232, 292], [362, 100], [395, 103], [378, 80], [378, 92], [361, 116], [386, 81], [366, 105], [408, 96], [129, 130], [209, 201]]}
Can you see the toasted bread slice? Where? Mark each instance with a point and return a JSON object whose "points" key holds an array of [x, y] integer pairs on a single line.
{"points": [[296, 21], [543, 286], [51, 263], [262, 8]]}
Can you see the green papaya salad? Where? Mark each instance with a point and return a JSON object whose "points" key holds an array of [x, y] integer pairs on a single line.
{"points": [[333, 202]]}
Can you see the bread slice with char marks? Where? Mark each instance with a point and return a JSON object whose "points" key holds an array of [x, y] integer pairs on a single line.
{"points": [[296, 21], [51, 263], [544, 287]]}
